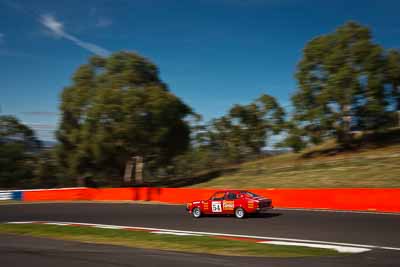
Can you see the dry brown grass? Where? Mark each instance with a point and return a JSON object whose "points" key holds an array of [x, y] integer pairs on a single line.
{"points": [[369, 167]]}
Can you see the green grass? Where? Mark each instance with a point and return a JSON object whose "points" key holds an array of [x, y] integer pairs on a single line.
{"points": [[140, 239], [8, 202], [371, 167]]}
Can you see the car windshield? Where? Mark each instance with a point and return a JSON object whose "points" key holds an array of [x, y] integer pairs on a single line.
{"points": [[250, 194]]}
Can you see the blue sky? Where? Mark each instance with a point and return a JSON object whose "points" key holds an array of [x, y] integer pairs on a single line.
{"points": [[211, 53]]}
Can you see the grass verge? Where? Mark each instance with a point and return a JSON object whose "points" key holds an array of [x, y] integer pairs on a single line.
{"points": [[8, 202], [141, 239]]}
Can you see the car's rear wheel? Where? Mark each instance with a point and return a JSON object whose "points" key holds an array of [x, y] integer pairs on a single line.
{"points": [[240, 213], [196, 212]]}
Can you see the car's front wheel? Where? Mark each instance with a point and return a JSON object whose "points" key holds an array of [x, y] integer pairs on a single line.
{"points": [[196, 212], [239, 213]]}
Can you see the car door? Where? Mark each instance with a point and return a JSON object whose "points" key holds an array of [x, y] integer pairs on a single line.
{"points": [[215, 202], [228, 204]]}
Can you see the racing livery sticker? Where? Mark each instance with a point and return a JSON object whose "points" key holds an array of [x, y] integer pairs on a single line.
{"points": [[228, 205], [250, 205], [216, 206]]}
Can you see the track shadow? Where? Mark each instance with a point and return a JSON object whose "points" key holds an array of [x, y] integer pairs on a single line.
{"points": [[248, 216], [265, 215]]}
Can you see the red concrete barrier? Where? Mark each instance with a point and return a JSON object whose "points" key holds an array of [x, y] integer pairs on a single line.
{"points": [[62, 194], [384, 200], [360, 199], [109, 194]]}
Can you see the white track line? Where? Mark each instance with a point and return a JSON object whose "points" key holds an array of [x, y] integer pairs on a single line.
{"points": [[266, 238], [341, 249], [57, 223], [173, 233]]}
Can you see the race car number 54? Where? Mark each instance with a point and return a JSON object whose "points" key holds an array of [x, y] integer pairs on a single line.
{"points": [[216, 206]]}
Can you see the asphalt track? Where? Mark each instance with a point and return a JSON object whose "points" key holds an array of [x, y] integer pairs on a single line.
{"points": [[366, 229]]}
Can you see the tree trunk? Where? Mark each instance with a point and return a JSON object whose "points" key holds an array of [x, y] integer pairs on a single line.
{"points": [[345, 136], [397, 93], [398, 104], [128, 171], [139, 170], [398, 118]]}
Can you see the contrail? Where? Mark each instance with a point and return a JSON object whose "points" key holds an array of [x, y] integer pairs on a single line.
{"points": [[57, 28]]}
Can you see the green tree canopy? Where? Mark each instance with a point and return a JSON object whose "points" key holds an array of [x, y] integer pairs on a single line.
{"points": [[341, 82], [18, 144], [393, 75], [116, 108], [245, 130]]}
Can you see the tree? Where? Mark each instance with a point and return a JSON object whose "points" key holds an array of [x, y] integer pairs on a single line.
{"points": [[46, 170], [341, 84], [393, 78], [118, 108], [245, 130], [237, 136], [18, 144], [295, 137]]}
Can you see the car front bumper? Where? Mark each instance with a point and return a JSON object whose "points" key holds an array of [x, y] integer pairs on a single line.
{"points": [[264, 209]]}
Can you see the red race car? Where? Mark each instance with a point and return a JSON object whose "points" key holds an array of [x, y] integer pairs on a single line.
{"points": [[235, 202]]}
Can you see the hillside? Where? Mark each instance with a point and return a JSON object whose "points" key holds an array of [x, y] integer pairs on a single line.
{"points": [[374, 164]]}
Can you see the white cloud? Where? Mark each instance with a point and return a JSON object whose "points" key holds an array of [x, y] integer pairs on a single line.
{"points": [[57, 29]]}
